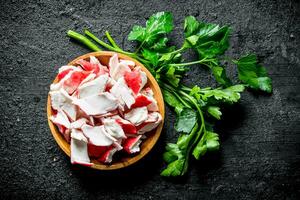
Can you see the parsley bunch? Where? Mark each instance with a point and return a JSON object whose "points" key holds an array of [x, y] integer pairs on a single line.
{"points": [[197, 108]]}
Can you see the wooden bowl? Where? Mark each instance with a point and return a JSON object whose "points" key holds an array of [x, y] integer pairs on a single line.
{"points": [[152, 136]]}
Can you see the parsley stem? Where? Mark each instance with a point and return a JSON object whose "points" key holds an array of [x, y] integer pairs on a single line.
{"points": [[191, 63], [111, 40], [170, 89], [84, 40], [91, 35], [140, 46], [185, 88], [178, 50], [193, 101], [194, 130]]}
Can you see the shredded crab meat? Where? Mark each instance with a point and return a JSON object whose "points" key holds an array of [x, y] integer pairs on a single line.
{"points": [[132, 144], [93, 87], [61, 119], [87, 79], [120, 71], [101, 110], [113, 64], [153, 120], [97, 135], [113, 128], [137, 115], [107, 156], [149, 93], [129, 63], [78, 123], [97, 104], [121, 91], [78, 135], [79, 153]]}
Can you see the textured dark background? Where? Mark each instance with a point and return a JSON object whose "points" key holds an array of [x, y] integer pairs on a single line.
{"points": [[260, 153]]}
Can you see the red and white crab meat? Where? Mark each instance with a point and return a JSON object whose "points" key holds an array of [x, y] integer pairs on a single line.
{"points": [[102, 110]]}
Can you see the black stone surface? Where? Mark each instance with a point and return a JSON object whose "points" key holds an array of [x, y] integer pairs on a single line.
{"points": [[260, 153]]}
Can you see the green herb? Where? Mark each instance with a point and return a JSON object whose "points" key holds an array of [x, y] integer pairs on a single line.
{"points": [[196, 108], [150, 36], [253, 74]]}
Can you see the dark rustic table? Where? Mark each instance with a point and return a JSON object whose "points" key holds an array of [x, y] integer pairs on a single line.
{"points": [[260, 153]]}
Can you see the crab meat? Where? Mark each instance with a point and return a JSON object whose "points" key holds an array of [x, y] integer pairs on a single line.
{"points": [[149, 93], [65, 73], [121, 91], [110, 84], [92, 121], [60, 99], [93, 66], [127, 127], [118, 144], [113, 128], [137, 115], [93, 87], [143, 77], [64, 70], [133, 80], [120, 71], [61, 119], [102, 69], [140, 101], [108, 114], [66, 133], [97, 104], [96, 151], [58, 86], [87, 79], [68, 67], [116, 69], [78, 123], [113, 64], [72, 83], [154, 119], [132, 144], [97, 135], [100, 111], [129, 63], [61, 128], [107, 156], [79, 153], [57, 99], [70, 110], [78, 135]]}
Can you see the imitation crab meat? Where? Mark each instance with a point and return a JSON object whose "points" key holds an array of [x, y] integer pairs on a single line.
{"points": [[102, 110]]}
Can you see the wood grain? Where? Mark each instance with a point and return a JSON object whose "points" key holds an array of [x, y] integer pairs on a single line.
{"points": [[152, 136]]}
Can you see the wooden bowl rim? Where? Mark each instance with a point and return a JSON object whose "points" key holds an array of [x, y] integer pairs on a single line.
{"points": [[146, 149]]}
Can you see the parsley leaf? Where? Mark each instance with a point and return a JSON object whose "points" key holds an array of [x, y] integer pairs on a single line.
{"points": [[228, 95], [253, 74], [209, 142], [173, 101], [177, 155], [157, 25], [186, 120], [152, 56], [214, 111], [220, 76], [209, 40], [160, 45], [173, 78]]}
